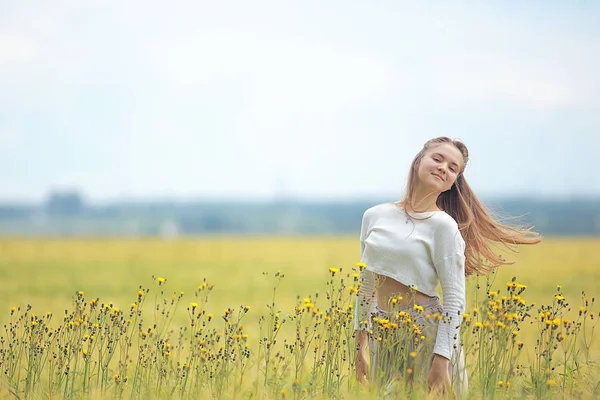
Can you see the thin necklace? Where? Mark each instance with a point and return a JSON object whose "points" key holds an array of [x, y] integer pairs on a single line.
{"points": [[403, 209]]}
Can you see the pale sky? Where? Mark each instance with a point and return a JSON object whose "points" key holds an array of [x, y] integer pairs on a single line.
{"points": [[312, 99]]}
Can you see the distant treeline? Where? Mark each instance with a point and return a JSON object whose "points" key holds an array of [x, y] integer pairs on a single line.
{"points": [[66, 214]]}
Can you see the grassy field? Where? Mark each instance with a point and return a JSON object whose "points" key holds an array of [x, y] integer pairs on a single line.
{"points": [[47, 274]]}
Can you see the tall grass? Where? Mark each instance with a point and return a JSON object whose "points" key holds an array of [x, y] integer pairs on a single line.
{"points": [[102, 349]]}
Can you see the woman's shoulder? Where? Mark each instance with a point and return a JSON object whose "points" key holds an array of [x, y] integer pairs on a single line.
{"points": [[447, 232], [444, 223], [379, 209]]}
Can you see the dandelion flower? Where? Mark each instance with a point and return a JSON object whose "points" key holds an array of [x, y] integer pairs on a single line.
{"points": [[413, 354], [333, 271]]}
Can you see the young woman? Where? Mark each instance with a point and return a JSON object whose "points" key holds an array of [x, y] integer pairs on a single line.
{"points": [[437, 234]]}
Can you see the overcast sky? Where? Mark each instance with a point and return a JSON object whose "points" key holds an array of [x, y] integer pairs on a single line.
{"points": [[316, 99]]}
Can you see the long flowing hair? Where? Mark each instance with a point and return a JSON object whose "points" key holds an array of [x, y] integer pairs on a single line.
{"points": [[479, 230]]}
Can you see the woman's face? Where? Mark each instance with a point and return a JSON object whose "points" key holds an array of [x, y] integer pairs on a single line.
{"points": [[440, 167]]}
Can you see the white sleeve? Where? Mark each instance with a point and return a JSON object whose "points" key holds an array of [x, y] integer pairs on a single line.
{"points": [[448, 255], [366, 301]]}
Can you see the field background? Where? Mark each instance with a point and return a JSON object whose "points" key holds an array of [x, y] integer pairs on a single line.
{"points": [[47, 272]]}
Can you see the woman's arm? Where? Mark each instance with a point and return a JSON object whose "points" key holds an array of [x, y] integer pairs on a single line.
{"points": [[449, 263], [365, 301]]}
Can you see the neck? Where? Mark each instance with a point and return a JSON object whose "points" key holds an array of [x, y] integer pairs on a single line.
{"points": [[425, 199]]}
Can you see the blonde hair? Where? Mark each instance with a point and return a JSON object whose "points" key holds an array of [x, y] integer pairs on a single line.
{"points": [[478, 228]]}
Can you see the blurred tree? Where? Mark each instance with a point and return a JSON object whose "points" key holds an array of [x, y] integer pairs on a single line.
{"points": [[64, 202]]}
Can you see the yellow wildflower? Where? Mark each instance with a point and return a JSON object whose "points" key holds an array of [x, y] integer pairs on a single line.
{"points": [[519, 344]]}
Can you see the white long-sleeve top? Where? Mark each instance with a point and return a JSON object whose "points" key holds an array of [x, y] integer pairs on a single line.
{"points": [[418, 253]]}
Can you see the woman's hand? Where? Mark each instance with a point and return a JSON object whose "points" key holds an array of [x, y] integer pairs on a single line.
{"points": [[362, 367], [439, 376], [361, 358]]}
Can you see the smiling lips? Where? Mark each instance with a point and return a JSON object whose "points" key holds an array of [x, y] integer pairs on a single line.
{"points": [[438, 176]]}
